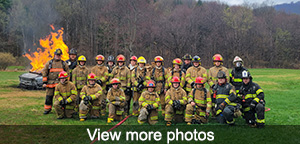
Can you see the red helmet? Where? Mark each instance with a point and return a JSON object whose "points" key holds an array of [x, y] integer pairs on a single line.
{"points": [[158, 59], [150, 84], [100, 58], [91, 76], [217, 58], [62, 74], [134, 58], [115, 81], [121, 58], [199, 80], [175, 79], [177, 61]]}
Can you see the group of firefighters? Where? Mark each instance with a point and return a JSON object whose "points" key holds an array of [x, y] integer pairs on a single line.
{"points": [[179, 91]]}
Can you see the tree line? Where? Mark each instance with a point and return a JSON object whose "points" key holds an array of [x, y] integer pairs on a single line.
{"points": [[262, 36]]}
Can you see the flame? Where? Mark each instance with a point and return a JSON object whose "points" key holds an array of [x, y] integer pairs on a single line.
{"points": [[52, 42]]}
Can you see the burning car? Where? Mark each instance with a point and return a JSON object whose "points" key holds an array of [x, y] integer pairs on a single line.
{"points": [[31, 80]]}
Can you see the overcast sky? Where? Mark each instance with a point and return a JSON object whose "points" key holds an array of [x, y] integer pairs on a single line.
{"points": [[238, 2]]}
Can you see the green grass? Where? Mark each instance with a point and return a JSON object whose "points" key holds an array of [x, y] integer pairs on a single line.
{"points": [[281, 88], [15, 67]]}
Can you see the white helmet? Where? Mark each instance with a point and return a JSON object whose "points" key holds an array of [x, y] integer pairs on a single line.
{"points": [[237, 59]]}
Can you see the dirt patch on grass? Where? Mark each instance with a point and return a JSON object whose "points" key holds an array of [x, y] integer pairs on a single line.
{"points": [[267, 83], [15, 92]]}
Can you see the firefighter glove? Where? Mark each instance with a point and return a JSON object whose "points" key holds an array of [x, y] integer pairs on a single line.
{"points": [[253, 104]]}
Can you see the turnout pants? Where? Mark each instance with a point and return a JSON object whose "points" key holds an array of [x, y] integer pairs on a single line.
{"points": [[195, 113], [49, 99], [172, 114], [115, 112], [148, 116], [135, 107], [249, 115], [66, 111], [92, 109]]}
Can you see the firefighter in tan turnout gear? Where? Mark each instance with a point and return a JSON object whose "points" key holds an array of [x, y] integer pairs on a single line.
{"points": [[212, 76], [195, 71], [159, 75], [139, 78], [116, 98], [199, 104], [50, 77], [65, 95], [149, 103], [91, 95], [101, 72], [131, 67], [176, 101], [176, 71]]}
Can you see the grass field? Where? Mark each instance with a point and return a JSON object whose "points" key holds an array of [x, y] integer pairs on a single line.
{"points": [[281, 88]]}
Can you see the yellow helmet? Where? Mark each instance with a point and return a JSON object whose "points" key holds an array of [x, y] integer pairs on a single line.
{"points": [[81, 58], [141, 59]]}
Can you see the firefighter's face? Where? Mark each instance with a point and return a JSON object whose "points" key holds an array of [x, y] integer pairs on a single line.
{"points": [[196, 64], [99, 62], [158, 64], [92, 82], [72, 57], [141, 65], [58, 57], [115, 86], [150, 89], [175, 85], [221, 80], [246, 80], [199, 85], [187, 61], [133, 63], [62, 80], [176, 66], [120, 63], [218, 63], [82, 63], [110, 63]]}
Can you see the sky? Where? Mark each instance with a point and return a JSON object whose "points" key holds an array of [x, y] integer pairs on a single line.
{"points": [[269, 2]]}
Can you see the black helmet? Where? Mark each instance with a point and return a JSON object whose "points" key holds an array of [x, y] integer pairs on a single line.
{"points": [[196, 59], [111, 58], [187, 57], [246, 74], [73, 51], [221, 74], [58, 52]]}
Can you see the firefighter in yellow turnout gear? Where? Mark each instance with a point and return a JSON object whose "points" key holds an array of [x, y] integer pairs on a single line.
{"points": [[131, 67], [91, 96], [176, 71], [65, 95], [175, 102], [199, 104], [101, 72], [193, 72], [149, 103], [139, 78], [159, 74], [116, 99]]}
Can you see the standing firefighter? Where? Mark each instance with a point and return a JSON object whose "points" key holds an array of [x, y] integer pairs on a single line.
{"points": [[252, 97], [72, 63], [139, 77], [176, 101], [110, 64], [236, 73], [227, 108], [91, 96], [101, 72], [149, 103], [159, 74], [50, 77], [79, 78], [187, 58], [176, 71], [195, 71], [65, 95], [131, 67], [199, 102], [116, 98], [122, 73], [212, 76]]}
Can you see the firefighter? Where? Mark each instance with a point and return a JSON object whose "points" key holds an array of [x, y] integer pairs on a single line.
{"points": [[212, 76], [116, 98], [101, 72], [50, 77], [199, 102], [131, 67], [139, 78], [123, 74], [149, 103], [227, 106], [252, 97], [72, 63], [236, 73], [159, 75], [65, 95], [79, 78], [176, 71], [91, 95], [110, 64], [195, 71], [187, 58], [176, 101]]}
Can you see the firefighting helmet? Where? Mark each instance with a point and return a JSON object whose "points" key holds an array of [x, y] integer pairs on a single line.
{"points": [[115, 81], [133, 58], [91, 76], [187, 57], [158, 59], [199, 80], [237, 59], [121, 58], [81, 58], [141, 59], [175, 79], [177, 61], [111, 59], [217, 58], [246, 74], [58, 52], [196, 59], [150, 83], [100, 58], [221, 74], [62, 74], [73, 52]]}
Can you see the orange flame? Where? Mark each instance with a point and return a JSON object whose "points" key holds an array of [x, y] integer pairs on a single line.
{"points": [[50, 44]]}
